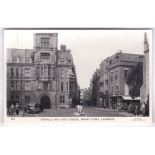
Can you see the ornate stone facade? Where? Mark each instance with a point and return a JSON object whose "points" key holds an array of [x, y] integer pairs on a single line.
{"points": [[44, 75]]}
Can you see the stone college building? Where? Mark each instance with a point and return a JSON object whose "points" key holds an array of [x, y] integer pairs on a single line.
{"points": [[44, 75]]}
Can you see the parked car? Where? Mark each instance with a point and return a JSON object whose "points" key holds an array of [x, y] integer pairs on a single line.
{"points": [[134, 108], [31, 109], [39, 108]]}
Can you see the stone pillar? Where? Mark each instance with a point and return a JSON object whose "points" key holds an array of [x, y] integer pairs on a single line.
{"points": [[144, 91]]}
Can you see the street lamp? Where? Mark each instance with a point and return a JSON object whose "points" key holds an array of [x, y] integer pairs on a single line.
{"points": [[117, 96]]}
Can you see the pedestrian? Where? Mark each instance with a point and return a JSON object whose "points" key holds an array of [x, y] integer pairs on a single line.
{"points": [[25, 110], [80, 107], [11, 109], [143, 108], [136, 110], [17, 108], [118, 105], [129, 108]]}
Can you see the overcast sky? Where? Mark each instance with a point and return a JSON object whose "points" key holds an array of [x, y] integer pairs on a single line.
{"points": [[88, 47]]}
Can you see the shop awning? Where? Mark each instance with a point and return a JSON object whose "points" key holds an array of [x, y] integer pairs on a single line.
{"points": [[130, 98]]}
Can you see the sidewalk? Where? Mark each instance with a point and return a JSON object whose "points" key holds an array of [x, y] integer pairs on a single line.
{"points": [[126, 114], [106, 109], [122, 113]]}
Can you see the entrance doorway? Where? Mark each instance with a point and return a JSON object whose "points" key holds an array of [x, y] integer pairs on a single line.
{"points": [[45, 102]]}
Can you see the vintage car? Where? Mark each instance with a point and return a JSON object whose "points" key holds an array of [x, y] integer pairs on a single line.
{"points": [[34, 108], [31, 108], [39, 108]]}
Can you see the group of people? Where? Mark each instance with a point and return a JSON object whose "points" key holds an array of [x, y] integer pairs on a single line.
{"points": [[133, 108], [14, 109]]}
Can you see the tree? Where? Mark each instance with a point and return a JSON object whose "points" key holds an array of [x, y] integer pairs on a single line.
{"points": [[135, 80]]}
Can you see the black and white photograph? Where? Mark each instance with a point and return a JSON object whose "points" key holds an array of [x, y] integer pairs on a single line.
{"points": [[78, 72]]}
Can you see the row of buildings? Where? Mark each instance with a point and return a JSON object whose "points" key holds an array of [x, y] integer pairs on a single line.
{"points": [[109, 83], [44, 75]]}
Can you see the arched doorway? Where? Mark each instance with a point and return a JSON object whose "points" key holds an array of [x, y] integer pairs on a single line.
{"points": [[45, 102]]}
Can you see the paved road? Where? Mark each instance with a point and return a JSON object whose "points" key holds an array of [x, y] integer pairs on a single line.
{"points": [[89, 112]]}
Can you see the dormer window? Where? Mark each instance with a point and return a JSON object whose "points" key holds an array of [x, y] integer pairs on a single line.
{"points": [[45, 42], [117, 58]]}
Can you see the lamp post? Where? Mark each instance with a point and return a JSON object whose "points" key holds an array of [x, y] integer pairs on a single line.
{"points": [[117, 96]]}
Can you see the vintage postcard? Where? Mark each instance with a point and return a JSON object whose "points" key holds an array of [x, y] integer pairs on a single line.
{"points": [[78, 74]]}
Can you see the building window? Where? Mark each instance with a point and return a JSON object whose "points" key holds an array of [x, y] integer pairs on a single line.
{"points": [[12, 84], [62, 73], [37, 72], [117, 58], [69, 60], [112, 90], [48, 70], [42, 70], [17, 73], [17, 85], [116, 75], [45, 42], [117, 89], [62, 86], [27, 59], [27, 99], [111, 76], [27, 72], [45, 71], [67, 86], [51, 86], [11, 72], [71, 86], [62, 60], [39, 85], [45, 84], [62, 99], [126, 73], [27, 86], [45, 56], [126, 92], [14, 59]]}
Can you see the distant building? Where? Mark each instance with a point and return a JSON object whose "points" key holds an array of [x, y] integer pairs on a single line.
{"points": [[95, 87], [44, 75], [111, 80], [85, 96], [144, 93]]}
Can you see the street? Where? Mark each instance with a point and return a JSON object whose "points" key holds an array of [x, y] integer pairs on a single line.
{"points": [[89, 112]]}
